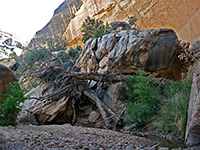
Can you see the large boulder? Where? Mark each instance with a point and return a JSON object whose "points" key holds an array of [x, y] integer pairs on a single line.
{"points": [[192, 137], [46, 112], [126, 51], [115, 95], [6, 77]]}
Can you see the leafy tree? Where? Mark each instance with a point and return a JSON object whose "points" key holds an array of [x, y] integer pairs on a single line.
{"points": [[10, 107]]}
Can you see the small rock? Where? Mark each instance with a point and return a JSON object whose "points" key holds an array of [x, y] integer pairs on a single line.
{"points": [[130, 147], [163, 148], [93, 116], [2, 138], [119, 29], [26, 118]]}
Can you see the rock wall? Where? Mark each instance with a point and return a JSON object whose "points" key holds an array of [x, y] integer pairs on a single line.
{"points": [[192, 137], [57, 25], [180, 15], [6, 77]]}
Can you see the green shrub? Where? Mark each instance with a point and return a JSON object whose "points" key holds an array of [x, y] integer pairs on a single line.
{"points": [[93, 28], [36, 55], [10, 107], [72, 53], [143, 99], [56, 45], [132, 20], [172, 117]]}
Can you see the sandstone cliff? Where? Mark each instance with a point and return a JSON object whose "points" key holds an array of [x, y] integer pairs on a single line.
{"points": [[58, 23], [180, 15]]}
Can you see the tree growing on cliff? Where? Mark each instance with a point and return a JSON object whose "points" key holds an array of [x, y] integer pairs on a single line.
{"points": [[93, 28], [132, 21]]}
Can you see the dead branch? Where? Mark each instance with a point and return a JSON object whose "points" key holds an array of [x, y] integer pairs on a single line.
{"points": [[98, 102], [97, 76]]}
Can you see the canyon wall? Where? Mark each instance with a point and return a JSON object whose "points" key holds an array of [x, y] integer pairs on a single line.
{"points": [[57, 25], [180, 15]]}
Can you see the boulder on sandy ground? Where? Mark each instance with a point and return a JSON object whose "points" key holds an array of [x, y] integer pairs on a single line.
{"points": [[192, 137], [93, 117], [46, 112], [26, 118], [126, 51], [6, 77]]}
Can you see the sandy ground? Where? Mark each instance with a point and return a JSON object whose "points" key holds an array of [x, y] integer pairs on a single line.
{"points": [[64, 137]]}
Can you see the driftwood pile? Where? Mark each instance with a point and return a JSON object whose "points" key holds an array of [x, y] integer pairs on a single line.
{"points": [[67, 82]]}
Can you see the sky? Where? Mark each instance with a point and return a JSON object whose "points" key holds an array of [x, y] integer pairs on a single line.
{"points": [[23, 18]]}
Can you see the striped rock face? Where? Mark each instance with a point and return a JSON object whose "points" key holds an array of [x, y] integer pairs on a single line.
{"points": [[6, 77]]}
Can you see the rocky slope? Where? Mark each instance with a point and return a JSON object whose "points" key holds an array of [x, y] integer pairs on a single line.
{"points": [[57, 25]]}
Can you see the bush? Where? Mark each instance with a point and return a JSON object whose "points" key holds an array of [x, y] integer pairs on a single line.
{"points": [[72, 53], [93, 28], [10, 107], [132, 20], [143, 99], [36, 55], [172, 117], [56, 45]]}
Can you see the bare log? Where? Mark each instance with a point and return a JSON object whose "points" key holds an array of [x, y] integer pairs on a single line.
{"points": [[97, 76], [98, 102]]}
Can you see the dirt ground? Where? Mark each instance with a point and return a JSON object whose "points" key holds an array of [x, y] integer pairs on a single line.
{"points": [[64, 137]]}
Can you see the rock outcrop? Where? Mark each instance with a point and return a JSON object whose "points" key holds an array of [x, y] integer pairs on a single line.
{"points": [[125, 51], [9, 44], [57, 25], [6, 77], [55, 112], [150, 14], [192, 137]]}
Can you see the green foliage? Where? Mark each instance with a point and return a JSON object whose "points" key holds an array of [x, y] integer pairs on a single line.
{"points": [[72, 52], [93, 28], [12, 55], [34, 56], [172, 117], [10, 107], [56, 45], [132, 20], [143, 99], [63, 56]]}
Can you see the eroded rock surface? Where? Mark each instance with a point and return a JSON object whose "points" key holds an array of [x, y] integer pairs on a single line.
{"points": [[125, 51], [193, 124], [54, 112]]}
